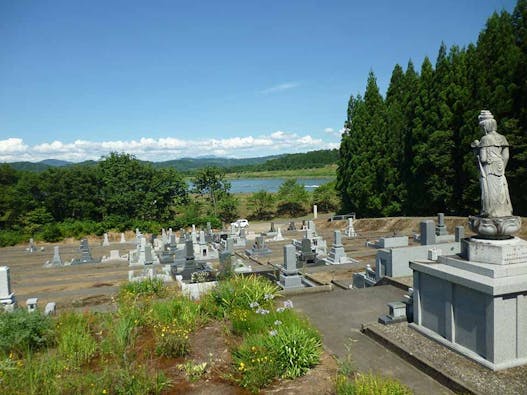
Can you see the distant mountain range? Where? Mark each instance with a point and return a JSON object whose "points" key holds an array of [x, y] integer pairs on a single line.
{"points": [[312, 159], [183, 164]]}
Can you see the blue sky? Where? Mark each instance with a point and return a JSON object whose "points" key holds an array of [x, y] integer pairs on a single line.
{"points": [[169, 79]]}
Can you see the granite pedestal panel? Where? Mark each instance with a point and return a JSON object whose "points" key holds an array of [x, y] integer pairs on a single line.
{"points": [[476, 308]]}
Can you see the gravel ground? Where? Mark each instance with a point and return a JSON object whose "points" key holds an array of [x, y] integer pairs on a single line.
{"points": [[474, 376]]}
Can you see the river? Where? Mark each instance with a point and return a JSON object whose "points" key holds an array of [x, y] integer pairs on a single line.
{"points": [[250, 185]]}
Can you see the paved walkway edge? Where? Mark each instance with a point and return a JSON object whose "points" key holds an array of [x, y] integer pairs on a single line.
{"points": [[419, 363]]}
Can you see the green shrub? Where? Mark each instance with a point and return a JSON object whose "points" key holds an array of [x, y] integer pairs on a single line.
{"points": [[296, 348], [254, 367], [241, 292], [75, 341], [21, 331], [10, 238], [52, 233], [172, 340], [369, 384], [146, 287]]}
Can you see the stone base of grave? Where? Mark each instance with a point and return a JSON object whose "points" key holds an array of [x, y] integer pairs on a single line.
{"points": [[8, 304], [478, 309], [495, 228], [288, 281], [397, 313], [261, 252]]}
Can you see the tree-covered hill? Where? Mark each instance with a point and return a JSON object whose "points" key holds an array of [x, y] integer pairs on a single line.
{"points": [[408, 153], [307, 160]]}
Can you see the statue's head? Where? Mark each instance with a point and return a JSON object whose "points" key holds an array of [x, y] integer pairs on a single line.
{"points": [[487, 121]]}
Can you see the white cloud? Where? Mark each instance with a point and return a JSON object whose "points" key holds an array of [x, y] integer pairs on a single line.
{"points": [[280, 87], [161, 149], [329, 130]]}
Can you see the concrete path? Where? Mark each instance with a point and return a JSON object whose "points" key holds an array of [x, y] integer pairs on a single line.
{"points": [[339, 315]]}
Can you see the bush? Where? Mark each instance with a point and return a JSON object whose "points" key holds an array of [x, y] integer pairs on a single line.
{"points": [[52, 233], [21, 331], [369, 384], [146, 287], [10, 238], [240, 292], [254, 367]]}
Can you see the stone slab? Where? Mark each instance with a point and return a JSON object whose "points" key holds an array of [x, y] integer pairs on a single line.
{"points": [[478, 282], [498, 252]]}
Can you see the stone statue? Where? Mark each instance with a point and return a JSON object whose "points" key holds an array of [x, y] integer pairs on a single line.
{"points": [[496, 220], [493, 154]]}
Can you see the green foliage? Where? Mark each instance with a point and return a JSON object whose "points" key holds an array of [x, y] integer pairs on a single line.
{"points": [[296, 347], [172, 340], [75, 342], [52, 232], [369, 384], [239, 292], [261, 204], [146, 287], [254, 367], [11, 238], [293, 199], [211, 181], [409, 154], [22, 331], [228, 208], [326, 198], [277, 342]]}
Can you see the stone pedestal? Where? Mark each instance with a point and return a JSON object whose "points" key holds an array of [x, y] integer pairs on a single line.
{"points": [[476, 302]]}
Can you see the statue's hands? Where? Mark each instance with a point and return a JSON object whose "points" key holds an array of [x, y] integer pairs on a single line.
{"points": [[474, 144]]}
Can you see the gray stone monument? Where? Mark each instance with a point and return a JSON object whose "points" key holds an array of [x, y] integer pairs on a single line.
{"points": [[337, 255], [56, 261], [475, 302], [123, 239], [289, 276], [292, 226], [86, 256], [259, 248], [106, 241], [441, 227], [7, 297], [32, 247]]}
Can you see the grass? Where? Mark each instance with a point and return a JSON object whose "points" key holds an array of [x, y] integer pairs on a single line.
{"points": [[370, 384], [116, 353]]}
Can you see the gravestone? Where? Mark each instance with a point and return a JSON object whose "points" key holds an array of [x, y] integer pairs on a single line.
{"points": [[337, 255], [32, 304], [32, 247], [50, 309], [56, 261], [278, 236], [315, 211], [123, 239], [441, 227], [292, 226], [289, 273], [86, 256], [106, 241], [259, 248], [459, 233], [306, 254], [428, 235], [7, 297]]}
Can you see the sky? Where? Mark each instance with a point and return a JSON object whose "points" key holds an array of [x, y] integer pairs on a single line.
{"points": [[169, 79]]}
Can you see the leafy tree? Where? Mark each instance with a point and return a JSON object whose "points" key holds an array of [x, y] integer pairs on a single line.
{"points": [[228, 208], [326, 198], [262, 204], [211, 181], [293, 199]]}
